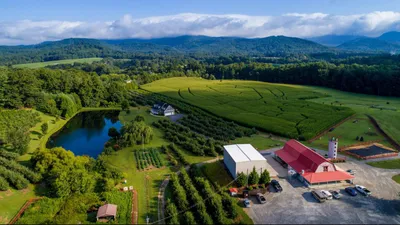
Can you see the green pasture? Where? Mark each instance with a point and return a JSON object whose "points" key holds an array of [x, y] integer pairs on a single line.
{"points": [[277, 108], [386, 164], [385, 110], [56, 62], [347, 133]]}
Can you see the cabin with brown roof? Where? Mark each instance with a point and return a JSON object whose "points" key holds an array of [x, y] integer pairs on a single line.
{"points": [[106, 213]]}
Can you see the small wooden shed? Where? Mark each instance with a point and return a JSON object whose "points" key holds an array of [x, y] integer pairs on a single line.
{"points": [[106, 213]]}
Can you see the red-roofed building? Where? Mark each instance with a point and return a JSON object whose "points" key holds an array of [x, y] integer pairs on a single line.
{"points": [[311, 166]]}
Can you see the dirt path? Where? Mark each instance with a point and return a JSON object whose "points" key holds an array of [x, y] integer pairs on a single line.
{"points": [[161, 199], [134, 207]]}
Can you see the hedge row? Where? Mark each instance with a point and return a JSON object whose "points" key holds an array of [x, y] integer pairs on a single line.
{"points": [[178, 154], [9, 155], [16, 167], [14, 178]]}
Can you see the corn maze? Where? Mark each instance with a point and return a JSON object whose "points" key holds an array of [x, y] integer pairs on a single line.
{"points": [[277, 108], [148, 159]]}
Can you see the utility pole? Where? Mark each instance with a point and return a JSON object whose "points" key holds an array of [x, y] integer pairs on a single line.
{"points": [[247, 179]]}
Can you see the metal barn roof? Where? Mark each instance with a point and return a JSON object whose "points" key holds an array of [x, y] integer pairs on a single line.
{"points": [[243, 153]]}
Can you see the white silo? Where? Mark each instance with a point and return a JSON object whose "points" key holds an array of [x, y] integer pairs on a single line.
{"points": [[333, 147]]}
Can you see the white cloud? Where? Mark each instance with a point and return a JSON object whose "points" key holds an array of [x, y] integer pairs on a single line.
{"points": [[292, 24]]}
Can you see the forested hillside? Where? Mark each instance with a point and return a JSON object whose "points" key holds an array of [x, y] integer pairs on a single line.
{"points": [[128, 48]]}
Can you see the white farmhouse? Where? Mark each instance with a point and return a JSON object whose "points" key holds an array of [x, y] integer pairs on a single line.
{"points": [[242, 158]]}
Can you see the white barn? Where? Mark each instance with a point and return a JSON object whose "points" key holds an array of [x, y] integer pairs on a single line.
{"points": [[242, 158]]}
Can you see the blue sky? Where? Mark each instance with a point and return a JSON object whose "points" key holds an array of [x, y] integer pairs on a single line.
{"points": [[35, 21], [104, 10]]}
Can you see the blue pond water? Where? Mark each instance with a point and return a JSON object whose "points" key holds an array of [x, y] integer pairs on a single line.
{"points": [[86, 133]]}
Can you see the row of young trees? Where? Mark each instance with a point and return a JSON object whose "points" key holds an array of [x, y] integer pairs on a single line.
{"points": [[193, 142], [253, 178], [216, 128]]}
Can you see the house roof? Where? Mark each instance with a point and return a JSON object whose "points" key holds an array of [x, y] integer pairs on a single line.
{"points": [[233, 190], [243, 153], [300, 157], [327, 176], [107, 210]]}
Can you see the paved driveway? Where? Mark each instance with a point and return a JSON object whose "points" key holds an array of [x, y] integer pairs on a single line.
{"points": [[296, 204]]}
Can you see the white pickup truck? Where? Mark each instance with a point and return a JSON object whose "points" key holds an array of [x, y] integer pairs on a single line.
{"points": [[363, 190]]}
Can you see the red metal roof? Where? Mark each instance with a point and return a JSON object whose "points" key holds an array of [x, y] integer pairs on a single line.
{"points": [[300, 157], [327, 176], [233, 190]]}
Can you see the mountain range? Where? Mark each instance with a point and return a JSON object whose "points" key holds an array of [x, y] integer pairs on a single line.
{"points": [[387, 42], [198, 46]]}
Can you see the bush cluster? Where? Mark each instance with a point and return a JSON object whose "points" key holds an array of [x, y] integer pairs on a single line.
{"points": [[17, 180], [16, 167]]}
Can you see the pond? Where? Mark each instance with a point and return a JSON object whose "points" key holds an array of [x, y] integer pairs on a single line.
{"points": [[86, 133]]}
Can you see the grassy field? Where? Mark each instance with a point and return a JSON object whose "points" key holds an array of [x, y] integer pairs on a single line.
{"points": [[277, 108], [386, 164], [359, 126], [396, 178], [217, 173], [384, 109], [56, 62]]}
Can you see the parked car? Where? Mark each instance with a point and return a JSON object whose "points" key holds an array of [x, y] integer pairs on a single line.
{"points": [[276, 185], [335, 194], [319, 196], [363, 190], [327, 194], [351, 191], [351, 172], [247, 203], [261, 198]]}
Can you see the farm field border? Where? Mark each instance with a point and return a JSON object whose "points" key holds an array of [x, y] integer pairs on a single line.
{"points": [[56, 62]]}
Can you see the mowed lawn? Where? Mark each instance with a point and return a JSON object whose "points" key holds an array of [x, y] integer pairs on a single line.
{"points": [[277, 108], [386, 164], [56, 62]]}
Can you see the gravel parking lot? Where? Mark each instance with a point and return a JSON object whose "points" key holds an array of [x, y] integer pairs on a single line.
{"points": [[297, 205]]}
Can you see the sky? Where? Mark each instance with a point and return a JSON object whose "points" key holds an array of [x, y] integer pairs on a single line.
{"points": [[34, 21]]}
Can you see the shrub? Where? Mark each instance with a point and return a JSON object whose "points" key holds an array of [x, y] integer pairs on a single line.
{"points": [[14, 166], [254, 177], [361, 138], [14, 178], [264, 178], [9, 155], [241, 179], [44, 128], [3, 184]]}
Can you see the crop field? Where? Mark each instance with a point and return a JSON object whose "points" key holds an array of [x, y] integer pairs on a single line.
{"points": [[148, 158], [56, 62], [277, 108]]}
